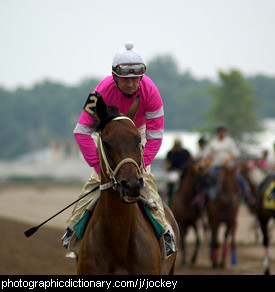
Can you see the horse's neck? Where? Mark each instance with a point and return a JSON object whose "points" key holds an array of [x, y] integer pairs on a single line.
{"points": [[187, 184], [117, 219], [229, 183]]}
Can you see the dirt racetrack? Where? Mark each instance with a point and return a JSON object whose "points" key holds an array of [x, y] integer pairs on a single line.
{"points": [[23, 206]]}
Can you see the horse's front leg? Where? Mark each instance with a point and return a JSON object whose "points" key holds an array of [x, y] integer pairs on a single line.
{"points": [[226, 245], [234, 259], [197, 245], [183, 246], [264, 224], [214, 246]]}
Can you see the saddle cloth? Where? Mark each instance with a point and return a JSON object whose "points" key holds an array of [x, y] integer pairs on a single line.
{"points": [[80, 225]]}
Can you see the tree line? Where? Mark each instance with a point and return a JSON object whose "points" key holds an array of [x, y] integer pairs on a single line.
{"points": [[31, 118]]}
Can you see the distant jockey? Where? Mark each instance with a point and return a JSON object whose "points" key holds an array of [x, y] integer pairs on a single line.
{"points": [[222, 150]]}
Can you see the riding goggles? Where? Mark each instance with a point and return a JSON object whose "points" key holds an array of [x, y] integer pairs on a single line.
{"points": [[132, 70]]}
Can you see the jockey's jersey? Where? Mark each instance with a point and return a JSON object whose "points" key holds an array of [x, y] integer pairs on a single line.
{"points": [[149, 118], [220, 150]]}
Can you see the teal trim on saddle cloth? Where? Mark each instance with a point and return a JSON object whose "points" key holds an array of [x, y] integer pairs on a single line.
{"points": [[159, 229], [80, 225]]}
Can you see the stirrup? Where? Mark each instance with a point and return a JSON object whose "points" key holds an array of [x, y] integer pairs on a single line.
{"points": [[170, 245], [67, 237]]}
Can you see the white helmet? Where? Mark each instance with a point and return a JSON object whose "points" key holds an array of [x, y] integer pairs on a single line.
{"points": [[128, 63]]}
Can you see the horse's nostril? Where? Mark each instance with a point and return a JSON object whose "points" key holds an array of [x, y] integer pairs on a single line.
{"points": [[125, 184], [141, 182], [136, 185]]}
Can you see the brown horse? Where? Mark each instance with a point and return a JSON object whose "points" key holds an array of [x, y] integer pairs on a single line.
{"points": [[188, 203], [224, 209], [119, 238], [264, 194]]}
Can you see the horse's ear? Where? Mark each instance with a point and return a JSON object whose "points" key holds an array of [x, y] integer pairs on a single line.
{"points": [[133, 109], [101, 108]]}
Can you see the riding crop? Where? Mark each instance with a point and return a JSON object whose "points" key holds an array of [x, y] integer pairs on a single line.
{"points": [[32, 230]]}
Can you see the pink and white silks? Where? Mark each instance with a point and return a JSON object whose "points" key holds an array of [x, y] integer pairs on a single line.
{"points": [[149, 119]]}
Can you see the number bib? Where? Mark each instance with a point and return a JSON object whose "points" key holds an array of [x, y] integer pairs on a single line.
{"points": [[90, 105]]}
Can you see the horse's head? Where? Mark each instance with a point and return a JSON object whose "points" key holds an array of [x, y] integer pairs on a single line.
{"points": [[120, 150]]}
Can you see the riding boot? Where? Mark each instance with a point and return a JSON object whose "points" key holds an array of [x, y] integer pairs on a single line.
{"points": [[170, 245], [67, 237]]}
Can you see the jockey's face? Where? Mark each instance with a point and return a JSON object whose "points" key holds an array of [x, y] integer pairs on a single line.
{"points": [[127, 85], [221, 133]]}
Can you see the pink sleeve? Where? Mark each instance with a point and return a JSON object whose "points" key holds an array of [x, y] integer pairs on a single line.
{"points": [[82, 133], [150, 151], [89, 150], [154, 125]]}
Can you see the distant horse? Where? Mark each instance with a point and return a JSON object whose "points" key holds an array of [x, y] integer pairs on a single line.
{"points": [[224, 209], [254, 177], [265, 209], [187, 205], [119, 238]]}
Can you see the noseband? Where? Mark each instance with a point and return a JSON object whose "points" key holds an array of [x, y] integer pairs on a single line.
{"points": [[112, 173]]}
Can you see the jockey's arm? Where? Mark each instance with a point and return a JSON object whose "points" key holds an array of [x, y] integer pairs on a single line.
{"points": [[151, 149], [154, 120], [82, 133], [207, 156]]}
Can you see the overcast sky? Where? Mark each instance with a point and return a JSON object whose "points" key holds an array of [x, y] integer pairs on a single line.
{"points": [[69, 40]]}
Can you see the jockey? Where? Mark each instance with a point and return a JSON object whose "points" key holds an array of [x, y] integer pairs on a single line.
{"points": [[220, 151], [120, 89], [176, 163]]}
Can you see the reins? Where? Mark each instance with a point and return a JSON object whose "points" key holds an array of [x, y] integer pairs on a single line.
{"points": [[112, 173]]}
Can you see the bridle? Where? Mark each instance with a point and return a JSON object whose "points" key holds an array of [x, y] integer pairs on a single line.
{"points": [[110, 174]]}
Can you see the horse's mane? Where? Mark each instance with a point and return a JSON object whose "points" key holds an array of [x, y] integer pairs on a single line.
{"points": [[113, 112]]}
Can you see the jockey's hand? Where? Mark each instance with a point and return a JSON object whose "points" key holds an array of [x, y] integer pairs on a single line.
{"points": [[99, 175], [229, 159]]}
